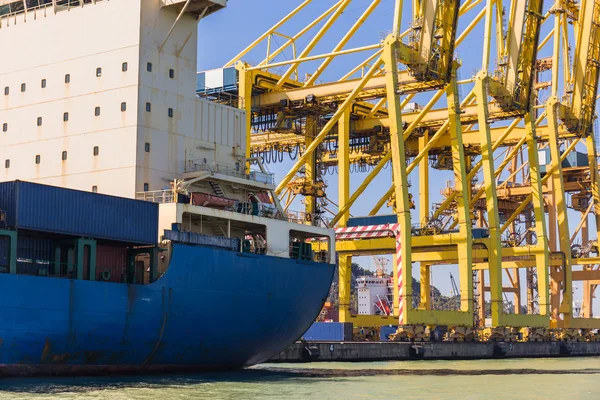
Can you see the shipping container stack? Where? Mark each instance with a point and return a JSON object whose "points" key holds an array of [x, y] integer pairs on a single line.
{"points": [[77, 235]]}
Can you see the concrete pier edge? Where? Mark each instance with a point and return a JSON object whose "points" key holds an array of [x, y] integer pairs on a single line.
{"points": [[404, 351]]}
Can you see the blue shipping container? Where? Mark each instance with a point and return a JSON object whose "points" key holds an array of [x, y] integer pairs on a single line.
{"points": [[372, 220], [385, 332], [217, 81], [329, 331], [34, 253], [45, 208]]}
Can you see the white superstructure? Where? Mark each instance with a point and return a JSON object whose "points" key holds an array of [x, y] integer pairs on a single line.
{"points": [[100, 95], [374, 295], [96, 95]]}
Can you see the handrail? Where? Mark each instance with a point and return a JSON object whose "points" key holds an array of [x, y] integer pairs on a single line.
{"points": [[168, 196], [253, 175], [56, 5]]}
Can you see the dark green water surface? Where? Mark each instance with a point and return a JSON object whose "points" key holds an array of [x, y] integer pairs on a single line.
{"points": [[570, 378]]}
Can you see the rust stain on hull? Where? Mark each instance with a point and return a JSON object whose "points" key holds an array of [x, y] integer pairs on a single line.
{"points": [[46, 351], [162, 328]]}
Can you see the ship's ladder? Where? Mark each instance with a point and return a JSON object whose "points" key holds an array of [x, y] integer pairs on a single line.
{"points": [[217, 189]]}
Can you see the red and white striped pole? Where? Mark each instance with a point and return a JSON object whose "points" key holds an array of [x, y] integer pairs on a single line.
{"points": [[399, 272]]}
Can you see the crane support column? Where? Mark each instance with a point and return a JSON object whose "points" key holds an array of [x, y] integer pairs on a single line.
{"points": [[560, 204], [542, 253], [344, 165], [461, 183], [487, 158], [403, 266]]}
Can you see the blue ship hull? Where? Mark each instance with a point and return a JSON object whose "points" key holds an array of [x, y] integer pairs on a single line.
{"points": [[212, 309]]}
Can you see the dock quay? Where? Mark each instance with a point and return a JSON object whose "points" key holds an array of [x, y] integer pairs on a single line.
{"points": [[304, 351]]}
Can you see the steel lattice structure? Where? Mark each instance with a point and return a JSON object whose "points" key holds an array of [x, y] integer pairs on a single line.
{"points": [[534, 95]]}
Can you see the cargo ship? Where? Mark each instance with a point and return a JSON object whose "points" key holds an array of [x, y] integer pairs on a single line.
{"points": [[136, 233]]}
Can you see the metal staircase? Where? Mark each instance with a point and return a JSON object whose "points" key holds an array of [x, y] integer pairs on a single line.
{"points": [[217, 189]]}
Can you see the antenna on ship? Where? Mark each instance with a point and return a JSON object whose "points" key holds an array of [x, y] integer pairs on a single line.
{"points": [[380, 264]]}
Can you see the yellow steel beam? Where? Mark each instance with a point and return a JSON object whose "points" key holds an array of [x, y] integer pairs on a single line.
{"points": [[437, 117], [542, 256], [385, 159], [560, 203], [362, 65], [487, 157], [330, 124], [404, 264], [338, 91], [344, 284], [344, 165], [372, 320], [423, 183], [545, 179], [359, 22], [310, 168], [586, 63], [297, 61], [316, 39], [302, 32], [267, 33], [465, 239], [594, 180], [397, 17], [245, 102], [489, 12]]}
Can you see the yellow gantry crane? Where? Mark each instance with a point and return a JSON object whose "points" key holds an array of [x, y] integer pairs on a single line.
{"points": [[519, 144]]}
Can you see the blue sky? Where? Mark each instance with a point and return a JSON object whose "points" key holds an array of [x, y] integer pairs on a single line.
{"points": [[224, 34]]}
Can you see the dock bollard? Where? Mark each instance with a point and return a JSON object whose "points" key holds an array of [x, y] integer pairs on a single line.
{"points": [[499, 350], [416, 351], [310, 353], [565, 349]]}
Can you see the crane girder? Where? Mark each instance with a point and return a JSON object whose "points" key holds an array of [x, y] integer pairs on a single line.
{"points": [[506, 130], [336, 92], [513, 84], [287, 142], [586, 66]]}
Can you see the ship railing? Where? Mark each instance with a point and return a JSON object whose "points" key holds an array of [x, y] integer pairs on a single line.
{"points": [[304, 218], [16, 7], [219, 96], [270, 211], [157, 196], [51, 269], [237, 172]]}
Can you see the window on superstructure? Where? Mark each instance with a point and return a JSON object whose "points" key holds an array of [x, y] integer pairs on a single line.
{"points": [[96, 150], [68, 78], [146, 187], [149, 67], [39, 121], [5, 127], [123, 106], [6, 91], [148, 107], [23, 87], [43, 83], [7, 164], [38, 158], [172, 73], [170, 113], [97, 111], [66, 117], [124, 67], [98, 72], [64, 156], [95, 189], [147, 147]]}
